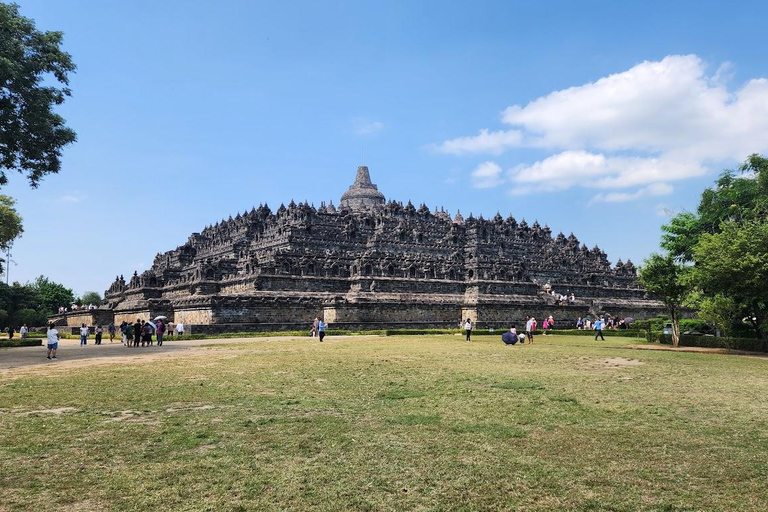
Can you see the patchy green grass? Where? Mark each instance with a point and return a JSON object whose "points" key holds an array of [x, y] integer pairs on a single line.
{"points": [[390, 423]]}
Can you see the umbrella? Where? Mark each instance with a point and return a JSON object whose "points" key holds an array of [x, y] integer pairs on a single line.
{"points": [[154, 325], [160, 317], [629, 320]]}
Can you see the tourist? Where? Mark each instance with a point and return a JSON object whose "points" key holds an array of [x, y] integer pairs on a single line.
{"points": [[160, 330], [137, 333], [53, 341], [170, 328], [599, 328], [320, 329], [545, 326], [99, 331], [180, 329], [111, 331], [147, 333], [83, 335], [11, 332], [579, 324], [23, 331], [313, 329], [468, 329], [530, 328], [551, 323], [510, 337]]}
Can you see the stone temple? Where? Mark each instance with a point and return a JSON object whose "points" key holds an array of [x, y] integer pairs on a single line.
{"points": [[371, 263]]}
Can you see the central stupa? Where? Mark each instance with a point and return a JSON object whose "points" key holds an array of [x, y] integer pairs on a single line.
{"points": [[362, 194]]}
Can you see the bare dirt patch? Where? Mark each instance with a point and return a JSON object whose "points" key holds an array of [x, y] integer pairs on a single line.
{"points": [[612, 362], [58, 411]]}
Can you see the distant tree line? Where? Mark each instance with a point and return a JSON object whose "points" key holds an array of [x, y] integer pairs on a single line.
{"points": [[32, 303]]}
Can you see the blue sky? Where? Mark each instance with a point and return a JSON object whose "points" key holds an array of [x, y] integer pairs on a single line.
{"points": [[597, 118]]}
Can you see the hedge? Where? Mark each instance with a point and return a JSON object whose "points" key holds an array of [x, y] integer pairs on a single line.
{"points": [[691, 340], [18, 342]]}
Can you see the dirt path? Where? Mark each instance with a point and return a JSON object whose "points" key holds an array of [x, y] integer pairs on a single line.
{"points": [[72, 355]]}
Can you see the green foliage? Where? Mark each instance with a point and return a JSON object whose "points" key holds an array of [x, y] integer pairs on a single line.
{"points": [[32, 135], [3, 319], [695, 340], [30, 317], [18, 342], [733, 263], [10, 225], [90, 298], [51, 295], [720, 311], [670, 280]]}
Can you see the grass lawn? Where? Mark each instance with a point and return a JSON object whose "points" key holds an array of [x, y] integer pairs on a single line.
{"points": [[390, 423]]}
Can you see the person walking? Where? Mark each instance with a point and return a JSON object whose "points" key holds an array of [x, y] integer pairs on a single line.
{"points": [[137, 333], [160, 331], [53, 341], [599, 328], [320, 329], [111, 331], [83, 335]]}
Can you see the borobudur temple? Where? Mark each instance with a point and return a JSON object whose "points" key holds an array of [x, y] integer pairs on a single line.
{"points": [[370, 264]]}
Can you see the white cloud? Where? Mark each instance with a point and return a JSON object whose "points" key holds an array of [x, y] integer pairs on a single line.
{"points": [[487, 175], [657, 122], [653, 190], [366, 127], [485, 142], [70, 199]]}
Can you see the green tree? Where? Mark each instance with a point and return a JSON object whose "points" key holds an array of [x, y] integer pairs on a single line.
{"points": [[10, 226], [51, 296], [31, 317], [90, 298], [721, 312], [33, 80], [734, 263], [670, 281]]}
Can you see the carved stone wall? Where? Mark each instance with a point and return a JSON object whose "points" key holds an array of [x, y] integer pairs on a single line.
{"points": [[375, 262]]}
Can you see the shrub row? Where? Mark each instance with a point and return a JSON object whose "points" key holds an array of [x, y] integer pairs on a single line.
{"points": [[18, 342], [691, 340]]}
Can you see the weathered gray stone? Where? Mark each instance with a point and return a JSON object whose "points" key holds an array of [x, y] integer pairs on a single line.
{"points": [[375, 264]]}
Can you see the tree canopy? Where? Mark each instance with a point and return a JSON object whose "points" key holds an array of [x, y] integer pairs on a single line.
{"points": [[10, 225], [670, 280], [32, 135], [726, 241]]}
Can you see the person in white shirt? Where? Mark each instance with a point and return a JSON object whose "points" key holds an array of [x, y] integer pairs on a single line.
{"points": [[180, 329], [23, 331], [53, 342], [84, 335]]}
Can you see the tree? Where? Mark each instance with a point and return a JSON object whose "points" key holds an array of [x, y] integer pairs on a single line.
{"points": [[10, 225], [32, 135], [721, 312], [733, 199], [669, 280], [51, 296], [734, 263], [90, 298]]}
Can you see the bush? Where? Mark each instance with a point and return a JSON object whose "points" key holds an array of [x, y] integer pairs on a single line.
{"points": [[693, 340], [18, 342]]}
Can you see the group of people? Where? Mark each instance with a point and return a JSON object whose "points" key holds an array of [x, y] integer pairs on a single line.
{"points": [[317, 329], [133, 335], [141, 332], [610, 323], [23, 331]]}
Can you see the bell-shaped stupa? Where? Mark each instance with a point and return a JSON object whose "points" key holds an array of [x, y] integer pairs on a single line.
{"points": [[362, 194]]}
